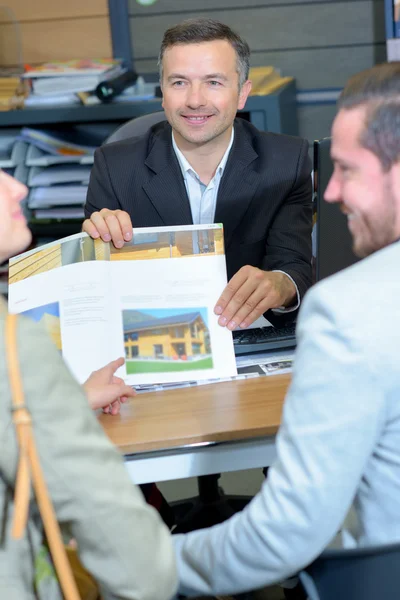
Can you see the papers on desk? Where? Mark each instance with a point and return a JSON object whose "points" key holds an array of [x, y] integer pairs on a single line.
{"points": [[151, 301], [277, 362], [248, 367]]}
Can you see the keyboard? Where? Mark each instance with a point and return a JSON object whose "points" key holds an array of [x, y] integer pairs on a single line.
{"points": [[264, 339]]}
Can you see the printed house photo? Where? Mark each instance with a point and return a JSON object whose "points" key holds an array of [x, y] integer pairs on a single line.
{"points": [[57, 255], [145, 246], [166, 340], [49, 315]]}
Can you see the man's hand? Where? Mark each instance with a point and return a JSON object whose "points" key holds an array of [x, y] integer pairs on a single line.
{"points": [[105, 390], [110, 225], [250, 293]]}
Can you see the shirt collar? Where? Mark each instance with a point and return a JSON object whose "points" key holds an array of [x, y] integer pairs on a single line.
{"points": [[186, 167]]}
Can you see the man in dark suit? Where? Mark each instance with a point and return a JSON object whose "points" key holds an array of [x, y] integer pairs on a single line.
{"points": [[203, 166]]}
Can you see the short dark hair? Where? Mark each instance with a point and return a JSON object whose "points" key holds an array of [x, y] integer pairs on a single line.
{"points": [[195, 31], [378, 89]]}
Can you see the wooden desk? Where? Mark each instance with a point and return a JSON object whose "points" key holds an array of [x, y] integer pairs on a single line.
{"points": [[199, 430]]}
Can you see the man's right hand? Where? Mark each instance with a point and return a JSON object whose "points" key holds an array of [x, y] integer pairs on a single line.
{"points": [[111, 225]]}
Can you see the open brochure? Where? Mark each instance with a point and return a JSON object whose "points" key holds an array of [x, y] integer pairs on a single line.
{"points": [[151, 301]]}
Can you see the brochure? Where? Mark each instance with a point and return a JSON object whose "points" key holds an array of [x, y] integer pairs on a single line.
{"points": [[151, 301]]}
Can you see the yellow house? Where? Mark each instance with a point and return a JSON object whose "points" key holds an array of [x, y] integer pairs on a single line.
{"points": [[176, 337]]}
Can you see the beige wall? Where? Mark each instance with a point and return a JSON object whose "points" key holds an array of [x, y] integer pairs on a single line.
{"points": [[56, 30]]}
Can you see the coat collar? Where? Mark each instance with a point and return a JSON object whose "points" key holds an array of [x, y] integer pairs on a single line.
{"points": [[167, 191]]}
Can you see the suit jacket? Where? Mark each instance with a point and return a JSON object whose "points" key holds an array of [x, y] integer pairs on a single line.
{"points": [[339, 441], [264, 198], [122, 540]]}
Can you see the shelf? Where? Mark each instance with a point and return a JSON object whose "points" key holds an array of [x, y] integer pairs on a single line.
{"points": [[77, 114], [275, 112]]}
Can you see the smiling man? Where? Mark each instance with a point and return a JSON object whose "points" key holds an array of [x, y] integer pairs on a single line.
{"points": [[203, 165], [339, 441]]}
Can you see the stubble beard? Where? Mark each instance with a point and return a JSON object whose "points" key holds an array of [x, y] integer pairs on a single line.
{"points": [[381, 230], [202, 137]]}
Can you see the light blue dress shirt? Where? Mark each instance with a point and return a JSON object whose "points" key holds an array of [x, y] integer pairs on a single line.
{"points": [[202, 198]]}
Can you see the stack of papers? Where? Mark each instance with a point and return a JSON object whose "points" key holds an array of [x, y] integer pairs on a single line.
{"points": [[59, 174], [36, 157], [55, 167], [57, 202], [60, 145], [63, 77]]}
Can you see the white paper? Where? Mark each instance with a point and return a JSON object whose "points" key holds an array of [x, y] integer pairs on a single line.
{"points": [[152, 302]]}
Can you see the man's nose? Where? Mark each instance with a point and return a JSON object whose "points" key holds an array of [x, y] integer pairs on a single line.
{"points": [[332, 192], [195, 97]]}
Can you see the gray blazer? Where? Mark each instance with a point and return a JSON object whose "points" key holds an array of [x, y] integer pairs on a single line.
{"points": [[122, 541]]}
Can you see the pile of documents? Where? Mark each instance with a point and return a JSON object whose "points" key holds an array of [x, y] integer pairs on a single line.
{"points": [[54, 167], [59, 172], [74, 81], [60, 81]]}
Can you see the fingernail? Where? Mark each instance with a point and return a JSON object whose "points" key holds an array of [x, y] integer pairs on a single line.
{"points": [[232, 325], [243, 325], [119, 244], [218, 310], [107, 237], [127, 236], [222, 321]]}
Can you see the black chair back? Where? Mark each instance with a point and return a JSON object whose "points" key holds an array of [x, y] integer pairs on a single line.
{"points": [[358, 574]]}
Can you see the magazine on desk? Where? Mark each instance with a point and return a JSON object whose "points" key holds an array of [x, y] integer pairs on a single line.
{"points": [[151, 301]]}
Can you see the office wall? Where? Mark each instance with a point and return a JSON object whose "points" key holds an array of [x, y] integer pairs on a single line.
{"points": [[320, 42], [55, 30]]}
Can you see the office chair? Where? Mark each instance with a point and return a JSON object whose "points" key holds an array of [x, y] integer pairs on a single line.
{"points": [[357, 574], [135, 127], [211, 506]]}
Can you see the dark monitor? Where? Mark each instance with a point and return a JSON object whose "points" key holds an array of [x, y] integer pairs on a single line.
{"points": [[333, 239]]}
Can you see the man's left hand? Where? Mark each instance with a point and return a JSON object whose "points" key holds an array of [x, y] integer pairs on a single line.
{"points": [[250, 293]]}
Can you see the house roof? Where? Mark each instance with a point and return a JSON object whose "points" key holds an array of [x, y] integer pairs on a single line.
{"points": [[154, 323]]}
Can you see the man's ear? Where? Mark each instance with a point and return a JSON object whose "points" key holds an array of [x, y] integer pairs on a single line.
{"points": [[244, 93]]}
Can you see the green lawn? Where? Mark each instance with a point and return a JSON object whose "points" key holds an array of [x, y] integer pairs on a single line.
{"points": [[148, 366]]}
